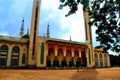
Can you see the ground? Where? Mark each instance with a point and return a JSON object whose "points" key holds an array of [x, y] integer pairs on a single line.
{"points": [[82, 74]]}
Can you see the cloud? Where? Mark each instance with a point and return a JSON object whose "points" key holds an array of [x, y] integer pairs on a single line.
{"points": [[73, 25], [61, 26], [12, 14], [5, 33]]}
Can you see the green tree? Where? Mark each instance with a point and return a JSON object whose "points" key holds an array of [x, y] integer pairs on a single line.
{"points": [[105, 15]]}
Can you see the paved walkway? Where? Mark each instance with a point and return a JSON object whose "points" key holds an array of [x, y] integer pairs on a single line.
{"points": [[82, 74]]}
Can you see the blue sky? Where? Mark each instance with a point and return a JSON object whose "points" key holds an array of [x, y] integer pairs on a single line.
{"points": [[13, 11]]}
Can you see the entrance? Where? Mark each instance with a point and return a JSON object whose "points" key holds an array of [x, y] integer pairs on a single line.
{"points": [[83, 59]]}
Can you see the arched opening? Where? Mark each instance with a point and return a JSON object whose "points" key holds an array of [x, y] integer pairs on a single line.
{"points": [[76, 58], [60, 56], [105, 60], [83, 59], [3, 55], [50, 57], [15, 56], [101, 60], [96, 60], [69, 58]]}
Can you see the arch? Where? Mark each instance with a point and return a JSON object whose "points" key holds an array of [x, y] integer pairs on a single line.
{"points": [[68, 55], [69, 58], [3, 55], [76, 58], [101, 60], [15, 56], [105, 60], [60, 54], [96, 59], [76, 54], [50, 56], [83, 59]]}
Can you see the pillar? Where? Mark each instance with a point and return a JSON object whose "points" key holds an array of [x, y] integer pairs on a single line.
{"points": [[33, 41], [9, 55], [56, 50]]}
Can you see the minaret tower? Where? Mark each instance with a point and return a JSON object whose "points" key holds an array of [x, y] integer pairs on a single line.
{"points": [[22, 29], [48, 31], [90, 52], [88, 37], [33, 42]]}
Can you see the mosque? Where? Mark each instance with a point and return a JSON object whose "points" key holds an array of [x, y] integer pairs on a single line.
{"points": [[34, 51]]}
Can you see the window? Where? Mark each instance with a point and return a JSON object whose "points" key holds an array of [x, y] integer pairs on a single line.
{"points": [[3, 55], [96, 59], [101, 60], [15, 56]]}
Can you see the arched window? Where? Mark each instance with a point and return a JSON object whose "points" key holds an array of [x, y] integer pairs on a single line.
{"points": [[101, 60], [15, 56], [105, 60], [96, 59], [3, 55]]}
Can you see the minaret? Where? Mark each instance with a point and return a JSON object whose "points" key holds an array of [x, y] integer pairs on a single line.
{"points": [[33, 42], [27, 31], [88, 37], [48, 32], [22, 29]]}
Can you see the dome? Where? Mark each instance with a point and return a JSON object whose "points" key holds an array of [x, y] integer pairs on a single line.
{"points": [[26, 36]]}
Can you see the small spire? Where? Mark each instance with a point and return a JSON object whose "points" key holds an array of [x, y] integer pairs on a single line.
{"points": [[27, 31], [48, 31], [22, 28], [70, 38]]}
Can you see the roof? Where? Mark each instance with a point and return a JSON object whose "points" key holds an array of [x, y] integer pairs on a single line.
{"points": [[66, 42]]}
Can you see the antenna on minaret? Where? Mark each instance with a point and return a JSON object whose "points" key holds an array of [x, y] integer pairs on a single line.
{"points": [[27, 31], [70, 38], [22, 29], [48, 31]]}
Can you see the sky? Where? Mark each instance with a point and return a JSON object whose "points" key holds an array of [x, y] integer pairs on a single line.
{"points": [[13, 11]]}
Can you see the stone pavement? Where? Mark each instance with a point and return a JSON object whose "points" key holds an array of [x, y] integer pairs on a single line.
{"points": [[82, 74]]}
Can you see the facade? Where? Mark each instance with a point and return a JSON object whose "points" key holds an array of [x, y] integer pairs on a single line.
{"points": [[34, 51]]}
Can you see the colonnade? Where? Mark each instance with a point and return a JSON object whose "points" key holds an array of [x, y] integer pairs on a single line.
{"points": [[66, 55]]}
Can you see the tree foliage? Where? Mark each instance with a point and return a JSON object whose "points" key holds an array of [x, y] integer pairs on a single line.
{"points": [[105, 15]]}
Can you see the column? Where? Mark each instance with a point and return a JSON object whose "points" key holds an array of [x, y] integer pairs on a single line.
{"points": [[47, 49], [64, 51], [103, 60], [108, 60], [79, 53], [98, 60], [56, 50], [9, 55], [72, 50], [20, 56]]}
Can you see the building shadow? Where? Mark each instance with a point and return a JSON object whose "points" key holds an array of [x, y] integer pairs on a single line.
{"points": [[85, 74]]}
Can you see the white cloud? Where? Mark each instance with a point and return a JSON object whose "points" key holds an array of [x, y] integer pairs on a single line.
{"points": [[5, 33], [74, 24], [50, 4]]}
